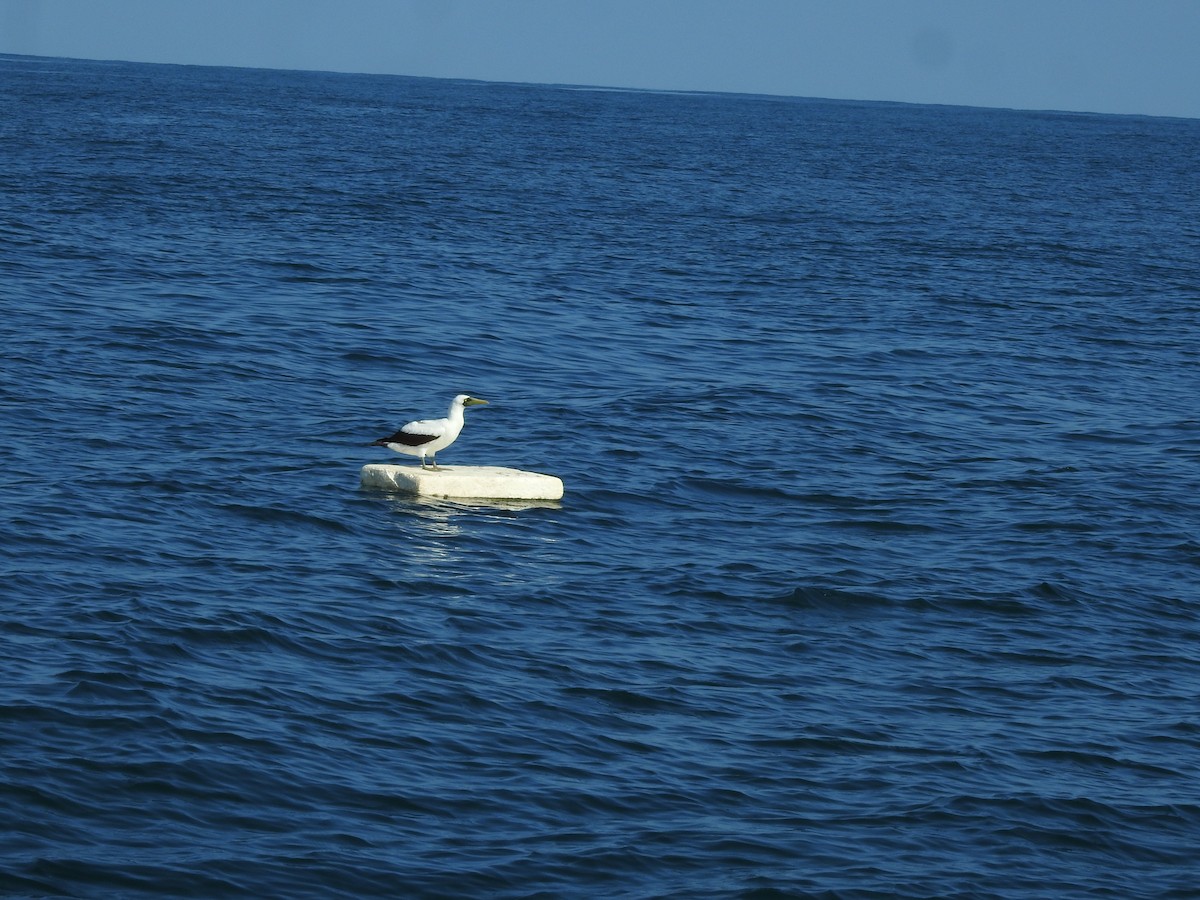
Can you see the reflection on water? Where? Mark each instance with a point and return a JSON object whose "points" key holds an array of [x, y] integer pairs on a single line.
{"points": [[442, 509], [440, 538]]}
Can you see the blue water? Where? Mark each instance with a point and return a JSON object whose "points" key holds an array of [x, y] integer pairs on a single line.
{"points": [[878, 570]]}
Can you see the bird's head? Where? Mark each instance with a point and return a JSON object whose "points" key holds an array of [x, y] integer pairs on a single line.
{"points": [[467, 400]]}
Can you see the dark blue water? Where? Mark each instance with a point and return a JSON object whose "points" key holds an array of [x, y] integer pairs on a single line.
{"points": [[878, 571]]}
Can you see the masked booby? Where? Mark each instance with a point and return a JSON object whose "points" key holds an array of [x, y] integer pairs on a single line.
{"points": [[427, 436]]}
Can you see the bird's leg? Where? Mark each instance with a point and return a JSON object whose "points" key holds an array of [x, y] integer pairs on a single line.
{"points": [[433, 459]]}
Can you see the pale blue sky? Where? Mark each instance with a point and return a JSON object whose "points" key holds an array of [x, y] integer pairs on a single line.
{"points": [[1123, 56]]}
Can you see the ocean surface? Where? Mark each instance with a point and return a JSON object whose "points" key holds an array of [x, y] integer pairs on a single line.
{"points": [[878, 569]]}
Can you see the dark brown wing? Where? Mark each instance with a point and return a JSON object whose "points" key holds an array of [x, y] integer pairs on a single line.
{"points": [[403, 437]]}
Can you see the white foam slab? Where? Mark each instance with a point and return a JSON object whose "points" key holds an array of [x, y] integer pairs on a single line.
{"points": [[478, 482]]}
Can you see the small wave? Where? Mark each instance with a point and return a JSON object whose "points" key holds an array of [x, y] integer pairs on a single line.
{"points": [[822, 598], [274, 515]]}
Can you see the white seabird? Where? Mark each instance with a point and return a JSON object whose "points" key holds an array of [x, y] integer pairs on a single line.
{"points": [[427, 436]]}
